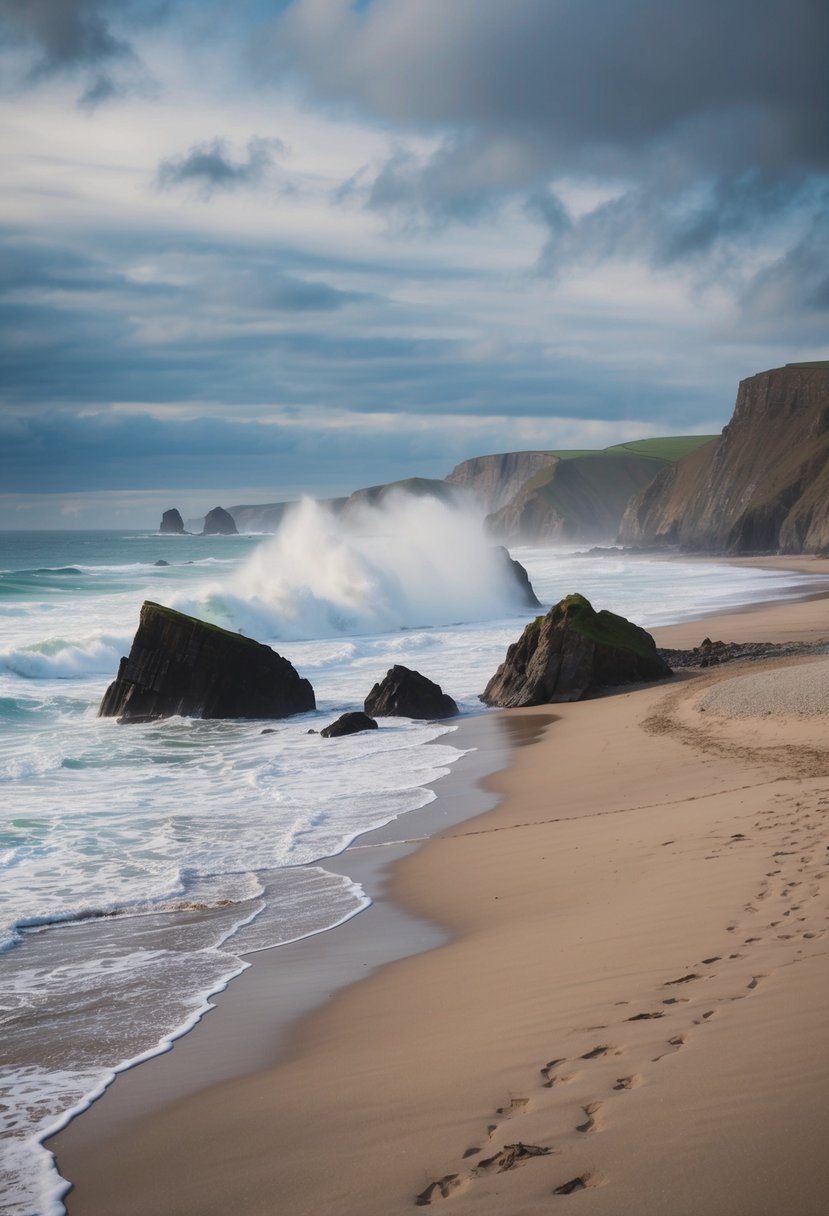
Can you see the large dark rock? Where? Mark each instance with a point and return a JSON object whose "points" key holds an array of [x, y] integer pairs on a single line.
{"points": [[349, 724], [180, 665], [573, 651], [219, 522], [520, 578], [404, 693], [172, 523]]}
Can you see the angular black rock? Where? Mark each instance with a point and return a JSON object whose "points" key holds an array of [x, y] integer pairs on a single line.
{"points": [[181, 665], [349, 724], [404, 693]]}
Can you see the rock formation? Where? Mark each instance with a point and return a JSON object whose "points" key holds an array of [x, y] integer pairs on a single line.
{"points": [[413, 487], [762, 486], [407, 694], [578, 499], [495, 479], [348, 724], [172, 523], [570, 652], [181, 665], [219, 522], [521, 580]]}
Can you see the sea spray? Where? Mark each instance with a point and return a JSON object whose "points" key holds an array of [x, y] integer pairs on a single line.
{"points": [[408, 563]]}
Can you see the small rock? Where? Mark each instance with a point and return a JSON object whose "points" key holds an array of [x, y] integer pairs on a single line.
{"points": [[348, 724], [404, 693]]}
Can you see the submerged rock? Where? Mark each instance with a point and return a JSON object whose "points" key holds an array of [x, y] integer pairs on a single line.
{"points": [[172, 523], [219, 522], [404, 693], [349, 724], [181, 665], [570, 652]]}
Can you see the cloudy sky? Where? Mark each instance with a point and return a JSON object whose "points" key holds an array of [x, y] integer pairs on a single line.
{"points": [[255, 249]]}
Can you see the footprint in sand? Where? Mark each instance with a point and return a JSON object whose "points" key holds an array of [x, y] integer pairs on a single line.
{"points": [[631, 1082], [443, 1188], [593, 1121], [509, 1157], [683, 979], [645, 1017], [575, 1184], [596, 1052], [516, 1106], [678, 1040], [555, 1078]]}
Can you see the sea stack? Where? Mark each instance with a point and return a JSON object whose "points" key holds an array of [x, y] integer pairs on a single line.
{"points": [[181, 665], [571, 652], [171, 523], [219, 522]]}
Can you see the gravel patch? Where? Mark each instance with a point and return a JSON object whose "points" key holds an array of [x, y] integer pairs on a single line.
{"points": [[801, 690]]}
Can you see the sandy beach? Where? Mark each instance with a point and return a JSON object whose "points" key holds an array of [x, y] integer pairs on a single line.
{"points": [[613, 1001]]}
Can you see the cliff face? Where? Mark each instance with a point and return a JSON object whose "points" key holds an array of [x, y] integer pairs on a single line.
{"points": [[494, 480], [580, 499], [762, 485]]}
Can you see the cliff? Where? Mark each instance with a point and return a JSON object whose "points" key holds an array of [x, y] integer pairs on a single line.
{"points": [[495, 479], [581, 499], [539, 497], [762, 486], [416, 487]]}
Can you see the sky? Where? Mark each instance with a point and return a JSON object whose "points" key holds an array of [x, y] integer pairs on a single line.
{"points": [[278, 247]]}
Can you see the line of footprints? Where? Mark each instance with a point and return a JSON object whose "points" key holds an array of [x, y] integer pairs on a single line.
{"points": [[791, 884]]}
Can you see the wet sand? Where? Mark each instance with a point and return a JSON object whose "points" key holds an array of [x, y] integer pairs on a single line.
{"points": [[618, 1006]]}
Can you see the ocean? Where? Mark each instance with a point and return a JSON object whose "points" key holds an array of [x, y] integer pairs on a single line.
{"points": [[141, 865]]}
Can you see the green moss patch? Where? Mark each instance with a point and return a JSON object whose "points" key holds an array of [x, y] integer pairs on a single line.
{"points": [[605, 628]]}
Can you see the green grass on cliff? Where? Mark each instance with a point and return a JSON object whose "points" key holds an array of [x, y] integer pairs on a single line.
{"points": [[666, 448], [670, 448]]}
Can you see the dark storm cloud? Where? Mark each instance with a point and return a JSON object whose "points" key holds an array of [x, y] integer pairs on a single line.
{"points": [[210, 165], [705, 123], [87, 38], [577, 84]]}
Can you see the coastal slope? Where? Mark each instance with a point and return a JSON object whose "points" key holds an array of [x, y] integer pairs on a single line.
{"points": [[762, 486]]}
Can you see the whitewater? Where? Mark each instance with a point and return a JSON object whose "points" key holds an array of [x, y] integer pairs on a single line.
{"points": [[141, 865]]}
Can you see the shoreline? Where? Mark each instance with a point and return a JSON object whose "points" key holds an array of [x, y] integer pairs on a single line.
{"points": [[140, 1105]]}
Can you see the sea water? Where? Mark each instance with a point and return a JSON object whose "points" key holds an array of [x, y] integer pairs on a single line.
{"points": [[141, 864]]}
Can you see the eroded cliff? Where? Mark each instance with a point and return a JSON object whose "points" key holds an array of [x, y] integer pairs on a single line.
{"points": [[762, 486]]}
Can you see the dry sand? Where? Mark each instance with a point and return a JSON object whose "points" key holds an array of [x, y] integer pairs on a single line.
{"points": [[628, 1018]]}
